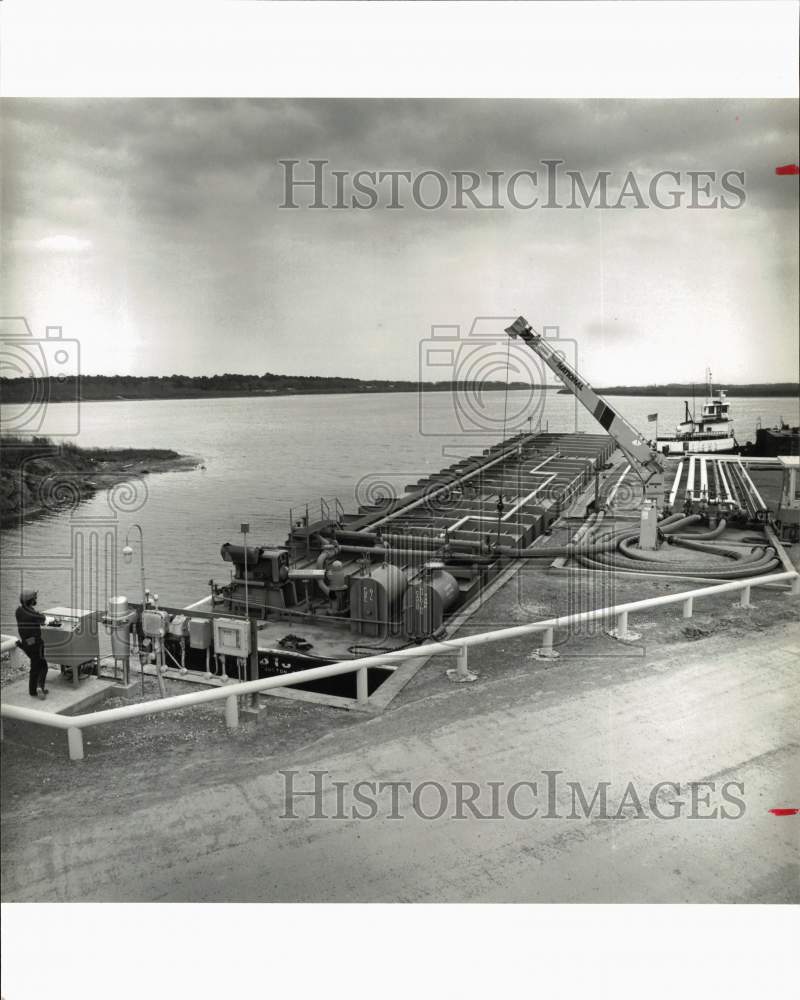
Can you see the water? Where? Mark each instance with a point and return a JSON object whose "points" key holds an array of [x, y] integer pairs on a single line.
{"points": [[265, 455]]}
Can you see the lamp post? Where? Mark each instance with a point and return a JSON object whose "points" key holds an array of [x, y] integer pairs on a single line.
{"points": [[127, 553], [245, 529]]}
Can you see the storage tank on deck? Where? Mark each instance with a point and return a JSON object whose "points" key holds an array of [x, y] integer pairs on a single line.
{"points": [[376, 597], [427, 600]]}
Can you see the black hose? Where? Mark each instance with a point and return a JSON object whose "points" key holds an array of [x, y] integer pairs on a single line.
{"points": [[760, 561], [744, 569], [709, 548], [670, 525], [706, 535], [615, 549]]}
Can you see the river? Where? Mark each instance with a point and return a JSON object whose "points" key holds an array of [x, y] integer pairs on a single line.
{"points": [[265, 455]]}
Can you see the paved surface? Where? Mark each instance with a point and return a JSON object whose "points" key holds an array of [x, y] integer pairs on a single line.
{"points": [[722, 709], [63, 696]]}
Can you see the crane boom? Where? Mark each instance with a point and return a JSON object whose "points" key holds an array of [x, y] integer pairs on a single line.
{"points": [[644, 460]]}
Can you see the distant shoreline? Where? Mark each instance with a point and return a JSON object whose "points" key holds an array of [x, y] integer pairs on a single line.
{"points": [[768, 390], [103, 388]]}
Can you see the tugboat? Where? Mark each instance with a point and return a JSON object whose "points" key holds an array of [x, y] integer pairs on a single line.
{"points": [[711, 434]]}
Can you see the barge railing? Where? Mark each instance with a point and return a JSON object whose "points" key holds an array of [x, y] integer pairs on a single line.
{"points": [[74, 725]]}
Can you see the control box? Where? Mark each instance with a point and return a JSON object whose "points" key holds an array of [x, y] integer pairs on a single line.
{"points": [[231, 637], [199, 633], [71, 638], [179, 627], [155, 623]]}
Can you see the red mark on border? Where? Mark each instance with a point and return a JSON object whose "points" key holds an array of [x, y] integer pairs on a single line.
{"points": [[788, 170], [784, 812]]}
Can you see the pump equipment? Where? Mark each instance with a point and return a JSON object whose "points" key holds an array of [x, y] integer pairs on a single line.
{"points": [[261, 579]]}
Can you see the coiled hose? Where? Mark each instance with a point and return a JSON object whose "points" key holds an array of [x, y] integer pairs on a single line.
{"points": [[606, 547], [622, 554]]}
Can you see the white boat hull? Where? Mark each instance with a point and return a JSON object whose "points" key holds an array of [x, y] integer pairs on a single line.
{"points": [[697, 446]]}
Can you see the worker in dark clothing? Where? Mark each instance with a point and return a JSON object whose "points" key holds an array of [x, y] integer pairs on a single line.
{"points": [[29, 626]]}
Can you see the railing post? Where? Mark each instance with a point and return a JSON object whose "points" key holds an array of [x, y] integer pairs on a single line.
{"points": [[795, 585], [362, 685], [75, 743], [252, 664], [688, 607], [621, 631], [232, 712], [546, 651], [461, 674], [744, 600]]}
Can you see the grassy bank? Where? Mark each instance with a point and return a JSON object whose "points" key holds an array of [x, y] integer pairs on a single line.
{"points": [[40, 476]]}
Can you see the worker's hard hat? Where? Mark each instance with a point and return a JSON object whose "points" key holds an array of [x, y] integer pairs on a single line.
{"points": [[27, 596]]}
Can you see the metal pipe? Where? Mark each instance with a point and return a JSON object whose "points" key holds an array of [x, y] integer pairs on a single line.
{"points": [[690, 479], [751, 486], [618, 483], [307, 574], [675, 484], [418, 541]]}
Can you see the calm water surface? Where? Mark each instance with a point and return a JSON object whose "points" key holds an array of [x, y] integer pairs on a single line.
{"points": [[265, 455]]}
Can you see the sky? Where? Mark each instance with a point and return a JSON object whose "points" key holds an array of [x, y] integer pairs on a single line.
{"points": [[151, 231]]}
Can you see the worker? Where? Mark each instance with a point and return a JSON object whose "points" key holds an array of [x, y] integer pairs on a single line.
{"points": [[29, 626]]}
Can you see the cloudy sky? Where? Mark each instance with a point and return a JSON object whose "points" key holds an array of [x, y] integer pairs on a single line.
{"points": [[150, 230]]}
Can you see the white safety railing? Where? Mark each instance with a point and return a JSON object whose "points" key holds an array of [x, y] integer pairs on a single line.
{"points": [[75, 724], [10, 653]]}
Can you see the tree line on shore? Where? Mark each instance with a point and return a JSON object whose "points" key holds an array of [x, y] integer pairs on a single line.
{"points": [[109, 387]]}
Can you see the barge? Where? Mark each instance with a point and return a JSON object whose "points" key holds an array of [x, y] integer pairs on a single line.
{"points": [[390, 575]]}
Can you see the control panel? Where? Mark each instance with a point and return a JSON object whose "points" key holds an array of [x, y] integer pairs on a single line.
{"points": [[231, 637], [70, 637]]}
